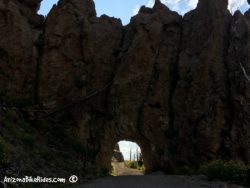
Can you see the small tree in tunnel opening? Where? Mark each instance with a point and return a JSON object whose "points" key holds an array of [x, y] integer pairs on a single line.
{"points": [[137, 154], [140, 160], [130, 155]]}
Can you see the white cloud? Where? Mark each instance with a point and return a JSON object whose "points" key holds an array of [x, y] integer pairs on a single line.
{"points": [[136, 10], [150, 3], [183, 6], [234, 5], [137, 7], [191, 3], [172, 4]]}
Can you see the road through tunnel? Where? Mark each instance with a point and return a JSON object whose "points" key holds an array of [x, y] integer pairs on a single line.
{"points": [[107, 151]]}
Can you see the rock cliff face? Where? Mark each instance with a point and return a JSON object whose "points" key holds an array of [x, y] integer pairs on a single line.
{"points": [[178, 86], [239, 85], [117, 155], [20, 27], [203, 74]]}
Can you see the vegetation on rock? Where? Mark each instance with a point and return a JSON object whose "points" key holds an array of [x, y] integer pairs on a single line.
{"points": [[232, 171]]}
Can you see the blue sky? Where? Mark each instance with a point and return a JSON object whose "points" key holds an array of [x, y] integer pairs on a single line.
{"points": [[125, 9]]}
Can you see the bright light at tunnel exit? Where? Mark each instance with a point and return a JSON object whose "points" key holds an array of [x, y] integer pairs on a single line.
{"points": [[126, 146]]}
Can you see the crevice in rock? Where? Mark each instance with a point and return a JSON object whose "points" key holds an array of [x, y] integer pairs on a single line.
{"points": [[117, 55], [39, 44], [230, 114], [174, 82], [150, 87]]}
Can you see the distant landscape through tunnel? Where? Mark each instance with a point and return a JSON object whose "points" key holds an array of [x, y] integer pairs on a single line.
{"points": [[127, 159], [134, 153]]}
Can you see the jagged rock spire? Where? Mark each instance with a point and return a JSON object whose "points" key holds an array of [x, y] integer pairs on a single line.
{"points": [[157, 2], [160, 6], [33, 4], [86, 7], [221, 4]]}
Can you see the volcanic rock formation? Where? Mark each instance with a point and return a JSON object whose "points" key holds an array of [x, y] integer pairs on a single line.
{"points": [[117, 155], [178, 86]]}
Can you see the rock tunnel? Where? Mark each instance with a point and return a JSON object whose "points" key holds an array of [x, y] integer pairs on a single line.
{"points": [[175, 85], [106, 154]]}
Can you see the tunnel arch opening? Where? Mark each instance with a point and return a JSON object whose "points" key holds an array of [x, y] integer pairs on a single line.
{"points": [[106, 151], [127, 159]]}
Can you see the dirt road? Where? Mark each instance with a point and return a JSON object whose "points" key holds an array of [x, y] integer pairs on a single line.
{"points": [[122, 170], [156, 180]]}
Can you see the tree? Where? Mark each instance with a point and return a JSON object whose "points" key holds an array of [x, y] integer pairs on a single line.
{"points": [[137, 154], [140, 161], [130, 154]]}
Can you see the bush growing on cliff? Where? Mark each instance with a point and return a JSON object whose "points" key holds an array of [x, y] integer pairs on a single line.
{"points": [[112, 170], [134, 165], [12, 101], [3, 151], [18, 128], [234, 171]]}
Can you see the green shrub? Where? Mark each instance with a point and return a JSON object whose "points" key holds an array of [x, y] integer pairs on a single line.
{"points": [[142, 167], [112, 169], [134, 165], [131, 164], [19, 129], [3, 151], [10, 123], [140, 163], [14, 101], [11, 115], [234, 171]]}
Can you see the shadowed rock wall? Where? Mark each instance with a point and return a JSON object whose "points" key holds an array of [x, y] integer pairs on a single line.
{"points": [[178, 86]]}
